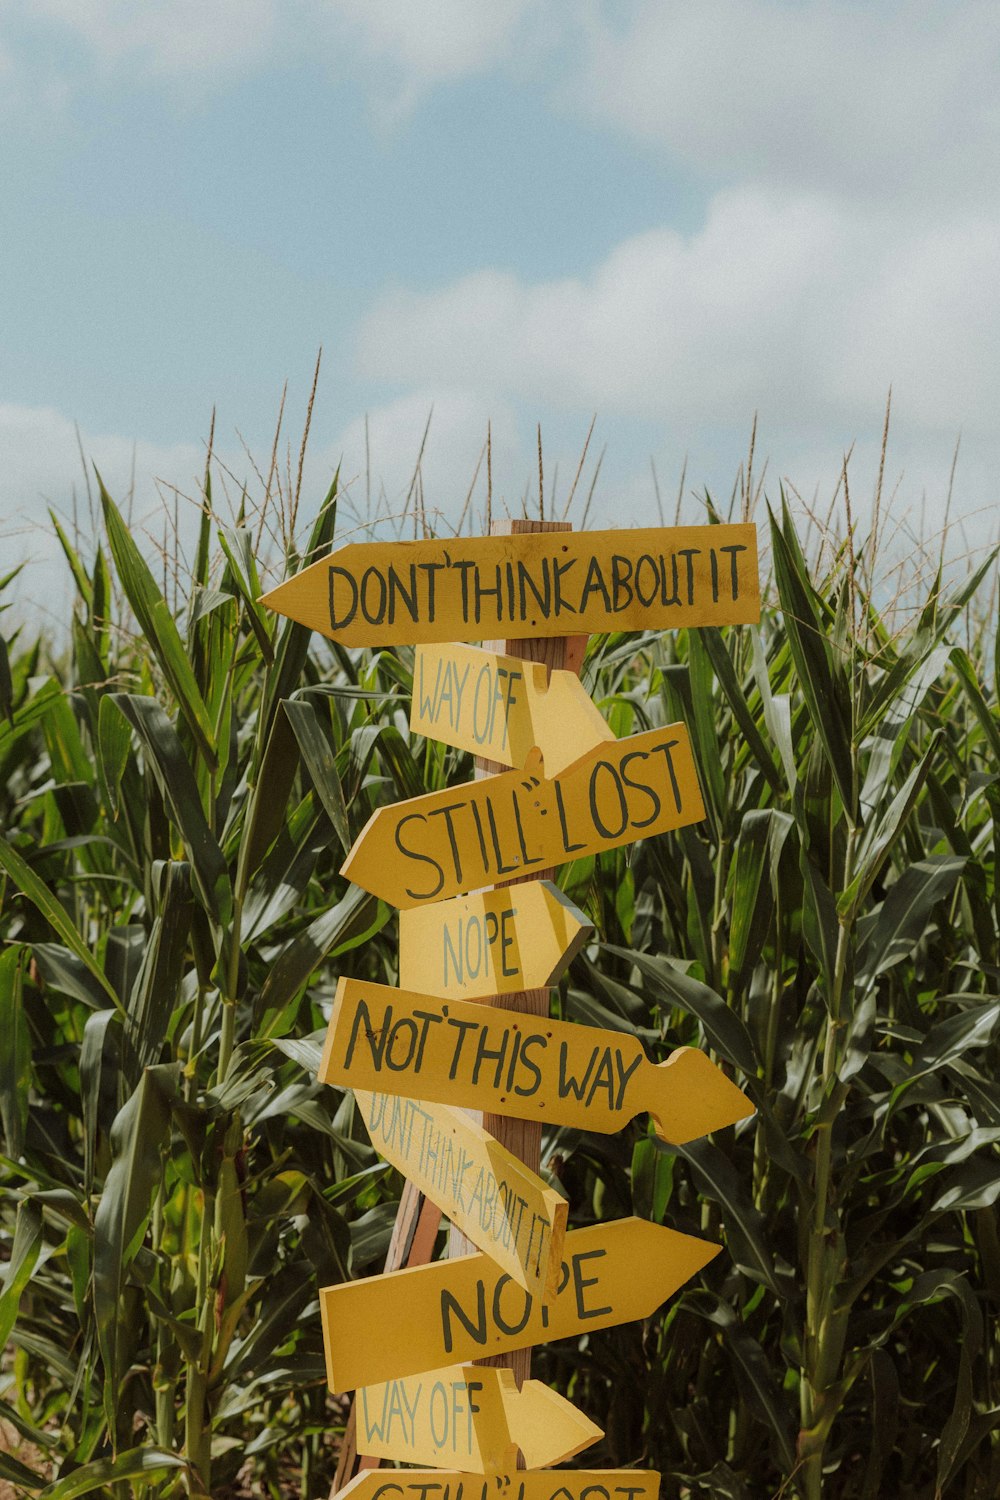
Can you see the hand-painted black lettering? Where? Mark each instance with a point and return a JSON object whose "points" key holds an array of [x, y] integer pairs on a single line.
{"points": [[339, 622], [430, 568], [734, 568], [665, 750], [640, 786], [606, 830], [425, 859], [543, 596], [568, 847], [475, 1327], [446, 813], [374, 1034], [621, 582], [581, 1282], [373, 614], [398, 589], [519, 1322], [526, 1091]]}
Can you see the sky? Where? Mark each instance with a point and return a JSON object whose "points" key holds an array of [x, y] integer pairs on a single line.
{"points": [[666, 216]]}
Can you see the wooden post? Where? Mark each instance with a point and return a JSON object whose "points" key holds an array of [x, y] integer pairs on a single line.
{"points": [[522, 1137]]}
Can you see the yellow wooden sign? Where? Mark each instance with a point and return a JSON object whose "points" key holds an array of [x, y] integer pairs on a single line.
{"points": [[498, 942], [464, 837], [540, 1484], [425, 1317], [503, 1062], [501, 707], [492, 1197], [473, 1417], [541, 584]]}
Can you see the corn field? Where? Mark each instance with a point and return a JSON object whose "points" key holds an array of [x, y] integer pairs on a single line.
{"points": [[178, 788]]}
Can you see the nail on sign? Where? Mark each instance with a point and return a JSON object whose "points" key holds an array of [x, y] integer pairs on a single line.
{"points": [[472, 1417], [463, 837], [541, 584], [542, 1484], [498, 942], [500, 707], [422, 1318], [491, 1196], [503, 1062]]}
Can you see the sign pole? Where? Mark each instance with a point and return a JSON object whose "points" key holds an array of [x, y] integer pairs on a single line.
{"points": [[522, 1137]]}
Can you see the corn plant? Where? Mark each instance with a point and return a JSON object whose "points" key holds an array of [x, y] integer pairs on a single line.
{"points": [[177, 792]]}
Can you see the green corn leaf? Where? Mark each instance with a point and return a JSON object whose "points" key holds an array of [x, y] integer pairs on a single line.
{"points": [[318, 753], [6, 684], [355, 919], [158, 627], [751, 900], [138, 1136], [114, 741], [38, 893], [24, 1253], [722, 664], [745, 1230], [144, 1464], [177, 784], [724, 1029], [879, 839], [822, 686], [238, 548], [15, 1054], [18, 1474], [900, 922]]}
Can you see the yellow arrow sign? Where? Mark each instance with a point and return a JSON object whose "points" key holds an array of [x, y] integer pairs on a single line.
{"points": [[541, 1484], [501, 707], [498, 942], [470, 1416], [418, 1319], [541, 584], [502, 1062], [463, 837], [498, 1202]]}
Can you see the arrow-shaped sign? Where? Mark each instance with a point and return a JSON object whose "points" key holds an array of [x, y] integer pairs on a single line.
{"points": [[470, 1416], [498, 942], [539, 1484], [464, 837], [501, 707], [494, 1199], [422, 1318], [502, 1062], [541, 584]]}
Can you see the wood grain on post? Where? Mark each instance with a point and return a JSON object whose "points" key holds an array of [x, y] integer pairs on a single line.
{"points": [[522, 1137]]}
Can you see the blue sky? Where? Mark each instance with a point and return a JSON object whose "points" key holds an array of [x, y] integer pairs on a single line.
{"points": [[670, 213]]}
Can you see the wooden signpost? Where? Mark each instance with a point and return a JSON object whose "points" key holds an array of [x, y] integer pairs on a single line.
{"points": [[471, 1417], [520, 822], [482, 1057], [540, 1484], [514, 937], [550, 583], [486, 1192], [502, 707], [418, 1055], [424, 1318]]}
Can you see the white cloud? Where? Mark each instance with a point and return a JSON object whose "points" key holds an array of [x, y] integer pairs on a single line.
{"points": [[787, 303], [41, 468], [182, 37], [400, 49], [882, 97]]}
